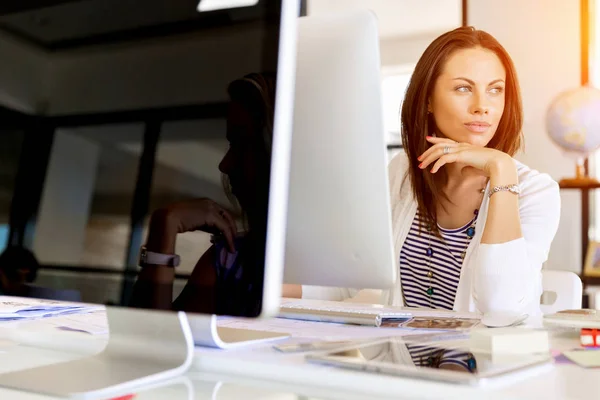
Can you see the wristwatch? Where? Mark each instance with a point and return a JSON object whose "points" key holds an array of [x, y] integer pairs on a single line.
{"points": [[506, 188], [151, 258]]}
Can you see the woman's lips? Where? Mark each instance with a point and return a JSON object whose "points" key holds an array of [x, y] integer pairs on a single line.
{"points": [[477, 126]]}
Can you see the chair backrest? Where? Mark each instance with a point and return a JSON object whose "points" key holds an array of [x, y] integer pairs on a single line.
{"points": [[562, 290]]}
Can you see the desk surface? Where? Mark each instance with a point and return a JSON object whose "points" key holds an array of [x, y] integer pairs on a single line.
{"points": [[261, 372]]}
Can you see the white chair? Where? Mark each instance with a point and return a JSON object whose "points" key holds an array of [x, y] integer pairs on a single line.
{"points": [[562, 290]]}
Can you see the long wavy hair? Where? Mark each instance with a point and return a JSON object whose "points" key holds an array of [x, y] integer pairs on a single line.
{"points": [[417, 123], [243, 297], [256, 93]]}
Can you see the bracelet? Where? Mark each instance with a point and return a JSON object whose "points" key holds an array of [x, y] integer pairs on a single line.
{"points": [[506, 188]]}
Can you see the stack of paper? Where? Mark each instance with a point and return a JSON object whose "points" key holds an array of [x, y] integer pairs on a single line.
{"points": [[94, 323], [16, 308]]}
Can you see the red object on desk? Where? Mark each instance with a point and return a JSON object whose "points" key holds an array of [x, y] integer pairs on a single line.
{"points": [[126, 397], [590, 337]]}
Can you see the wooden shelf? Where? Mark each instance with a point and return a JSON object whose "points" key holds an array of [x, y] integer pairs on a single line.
{"points": [[584, 185], [595, 186], [591, 280]]}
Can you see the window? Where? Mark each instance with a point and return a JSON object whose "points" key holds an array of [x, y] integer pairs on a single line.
{"points": [[3, 236], [11, 142], [87, 197], [394, 84]]}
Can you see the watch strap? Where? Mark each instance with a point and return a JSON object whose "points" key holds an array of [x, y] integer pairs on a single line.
{"points": [[151, 258]]}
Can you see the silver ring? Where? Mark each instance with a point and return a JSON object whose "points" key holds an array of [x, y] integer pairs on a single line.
{"points": [[446, 150]]}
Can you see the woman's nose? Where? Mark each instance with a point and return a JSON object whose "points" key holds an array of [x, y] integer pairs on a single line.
{"points": [[479, 105], [225, 164]]}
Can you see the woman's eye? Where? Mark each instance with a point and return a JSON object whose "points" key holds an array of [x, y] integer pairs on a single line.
{"points": [[496, 90], [463, 89]]}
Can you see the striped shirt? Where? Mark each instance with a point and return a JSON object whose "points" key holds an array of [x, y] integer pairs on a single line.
{"points": [[438, 274], [432, 357]]}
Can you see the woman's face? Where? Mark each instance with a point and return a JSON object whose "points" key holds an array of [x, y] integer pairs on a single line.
{"points": [[468, 96]]}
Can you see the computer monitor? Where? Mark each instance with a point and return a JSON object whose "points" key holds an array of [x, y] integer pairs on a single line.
{"points": [[339, 221], [119, 121]]}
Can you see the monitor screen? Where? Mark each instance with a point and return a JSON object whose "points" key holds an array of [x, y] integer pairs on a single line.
{"points": [[135, 152]]}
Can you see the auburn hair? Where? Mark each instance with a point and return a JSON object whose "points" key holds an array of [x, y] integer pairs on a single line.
{"points": [[416, 123]]}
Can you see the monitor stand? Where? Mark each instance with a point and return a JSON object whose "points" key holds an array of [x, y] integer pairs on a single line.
{"points": [[144, 347]]}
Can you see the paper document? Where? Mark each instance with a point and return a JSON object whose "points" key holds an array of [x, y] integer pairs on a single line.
{"points": [[17, 308], [94, 323]]}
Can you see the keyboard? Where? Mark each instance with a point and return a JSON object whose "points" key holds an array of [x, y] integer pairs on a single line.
{"points": [[339, 312]]}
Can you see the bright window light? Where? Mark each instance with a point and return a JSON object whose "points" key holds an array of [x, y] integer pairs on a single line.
{"points": [[393, 88], [212, 5]]}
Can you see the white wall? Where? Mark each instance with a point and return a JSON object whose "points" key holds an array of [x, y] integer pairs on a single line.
{"points": [[399, 18], [402, 51], [542, 36]]}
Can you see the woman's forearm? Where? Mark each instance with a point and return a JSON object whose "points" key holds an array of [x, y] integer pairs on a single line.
{"points": [[154, 285], [503, 223], [292, 291]]}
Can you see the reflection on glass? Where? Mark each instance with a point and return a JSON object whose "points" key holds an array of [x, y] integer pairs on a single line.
{"points": [[228, 277], [11, 143], [441, 358], [88, 196], [415, 355], [135, 127], [13, 278]]}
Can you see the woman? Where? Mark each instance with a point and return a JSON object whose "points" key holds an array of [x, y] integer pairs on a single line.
{"points": [[472, 226], [228, 277]]}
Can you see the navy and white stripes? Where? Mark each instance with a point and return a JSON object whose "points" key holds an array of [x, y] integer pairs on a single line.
{"points": [[427, 356], [446, 263]]}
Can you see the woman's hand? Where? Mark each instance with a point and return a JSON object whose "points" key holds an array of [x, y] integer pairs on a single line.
{"points": [[198, 214], [445, 151]]}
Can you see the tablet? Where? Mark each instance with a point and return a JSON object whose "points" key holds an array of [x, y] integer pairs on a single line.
{"points": [[431, 361]]}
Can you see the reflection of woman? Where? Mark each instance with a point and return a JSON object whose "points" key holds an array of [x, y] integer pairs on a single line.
{"points": [[441, 323], [472, 226], [408, 354], [228, 277], [434, 357]]}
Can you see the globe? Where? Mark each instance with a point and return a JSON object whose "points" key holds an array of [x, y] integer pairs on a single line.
{"points": [[573, 121]]}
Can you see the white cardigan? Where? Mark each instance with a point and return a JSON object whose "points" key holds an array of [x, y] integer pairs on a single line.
{"points": [[494, 277]]}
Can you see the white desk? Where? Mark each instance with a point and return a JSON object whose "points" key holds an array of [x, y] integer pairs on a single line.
{"points": [[261, 372], [556, 382]]}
